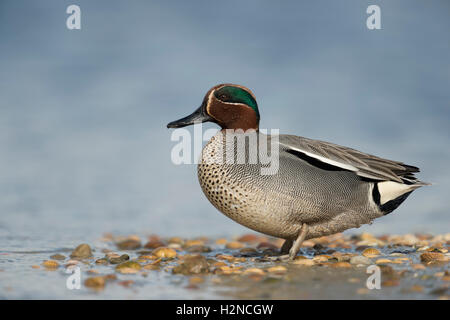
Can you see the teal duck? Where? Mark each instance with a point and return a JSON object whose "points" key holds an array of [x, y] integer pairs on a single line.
{"points": [[317, 189]]}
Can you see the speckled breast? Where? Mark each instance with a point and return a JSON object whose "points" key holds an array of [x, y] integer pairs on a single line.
{"points": [[232, 190]]}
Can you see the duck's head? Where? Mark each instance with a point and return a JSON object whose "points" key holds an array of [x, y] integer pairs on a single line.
{"points": [[231, 106]]}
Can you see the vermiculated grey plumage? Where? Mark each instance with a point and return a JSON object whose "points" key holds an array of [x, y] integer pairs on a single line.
{"points": [[327, 186]]}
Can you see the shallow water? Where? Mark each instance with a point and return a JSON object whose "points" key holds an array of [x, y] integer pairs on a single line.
{"points": [[18, 280]]}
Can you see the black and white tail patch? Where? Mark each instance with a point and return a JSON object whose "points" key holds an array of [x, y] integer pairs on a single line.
{"points": [[388, 195]]}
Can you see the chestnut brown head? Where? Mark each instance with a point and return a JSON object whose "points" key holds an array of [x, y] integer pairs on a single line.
{"points": [[231, 106]]}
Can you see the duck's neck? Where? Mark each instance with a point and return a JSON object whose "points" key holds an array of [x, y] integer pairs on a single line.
{"points": [[243, 118]]}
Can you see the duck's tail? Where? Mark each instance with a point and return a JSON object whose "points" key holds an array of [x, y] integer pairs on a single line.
{"points": [[390, 194]]}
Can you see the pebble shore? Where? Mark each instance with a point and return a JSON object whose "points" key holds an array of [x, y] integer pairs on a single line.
{"points": [[249, 267]]}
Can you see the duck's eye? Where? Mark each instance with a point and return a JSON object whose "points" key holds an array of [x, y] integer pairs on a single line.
{"points": [[223, 97]]}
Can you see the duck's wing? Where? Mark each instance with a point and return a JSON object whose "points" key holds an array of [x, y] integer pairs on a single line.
{"points": [[335, 157]]}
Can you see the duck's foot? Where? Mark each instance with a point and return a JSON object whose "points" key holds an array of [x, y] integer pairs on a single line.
{"points": [[298, 242], [290, 248]]}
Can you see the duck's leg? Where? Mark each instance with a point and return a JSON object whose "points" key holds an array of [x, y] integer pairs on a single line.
{"points": [[298, 242], [287, 245], [292, 247]]}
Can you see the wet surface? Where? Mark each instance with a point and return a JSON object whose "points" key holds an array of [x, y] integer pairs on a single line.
{"points": [[248, 267]]}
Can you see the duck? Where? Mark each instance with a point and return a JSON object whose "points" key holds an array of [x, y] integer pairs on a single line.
{"points": [[317, 189]]}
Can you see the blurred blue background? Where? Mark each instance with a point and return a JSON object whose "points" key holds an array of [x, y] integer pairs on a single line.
{"points": [[84, 147]]}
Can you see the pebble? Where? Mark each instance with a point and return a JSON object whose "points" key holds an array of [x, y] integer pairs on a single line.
{"points": [[360, 260], [418, 267], [125, 283], [320, 259], [216, 280], [190, 243], [198, 249], [152, 266], [192, 264], [50, 264], [83, 251], [248, 251], [196, 280], [95, 282], [175, 246], [371, 243], [341, 265], [225, 257], [345, 257], [221, 241], [404, 240], [390, 283], [164, 252], [366, 236], [58, 257], [387, 271], [249, 238], [110, 277], [101, 261], [401, 260], [430, 257], [303, 262], [219, 264], [267, 245], [370, 252], [362, 291], [129, 244], [71, 263], [116, 259], [93, 271], [308, 243], [148, 257], [153, 244], [128, 267], [277, 269], [226, 270], [234, 245], [254, 271], [107, 237], [127, 271], [383, 261], [397, 254], [176, 240]]}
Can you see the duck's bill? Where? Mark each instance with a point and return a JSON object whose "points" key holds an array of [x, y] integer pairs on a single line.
{"points": [[197, 116]]}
